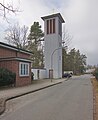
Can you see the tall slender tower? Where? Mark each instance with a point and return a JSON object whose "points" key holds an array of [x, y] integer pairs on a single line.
{"points": [[53, 44]]}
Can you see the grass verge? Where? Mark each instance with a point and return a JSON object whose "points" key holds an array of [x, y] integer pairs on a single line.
{"points": [[95, 98]]}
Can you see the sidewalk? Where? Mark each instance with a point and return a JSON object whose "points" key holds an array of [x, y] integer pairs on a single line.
{"points": [[11, 93]]}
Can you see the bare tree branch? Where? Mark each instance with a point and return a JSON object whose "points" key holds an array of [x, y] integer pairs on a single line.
{"points": [[66, 38], [17, 36], [7, 8]]}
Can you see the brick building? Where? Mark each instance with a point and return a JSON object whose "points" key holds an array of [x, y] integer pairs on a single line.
{"points": [[18, 61]]}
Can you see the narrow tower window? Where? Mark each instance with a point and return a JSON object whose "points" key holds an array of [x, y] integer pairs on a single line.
{"points": [[53, 25], [47, 26], [50, 26]]}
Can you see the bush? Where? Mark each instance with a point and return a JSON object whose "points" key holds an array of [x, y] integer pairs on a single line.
{"points": [[7, 77], [93, 73], [96, 73], [32, 75]]}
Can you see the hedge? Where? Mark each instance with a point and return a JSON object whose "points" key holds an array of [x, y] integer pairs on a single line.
{"points": [[96, 73], [7, 77]]}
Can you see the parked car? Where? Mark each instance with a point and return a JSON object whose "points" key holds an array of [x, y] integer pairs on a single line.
{"points": [[67, 75]]}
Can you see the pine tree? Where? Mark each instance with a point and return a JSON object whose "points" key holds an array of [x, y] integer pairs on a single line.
{"points": [[34, 45]]}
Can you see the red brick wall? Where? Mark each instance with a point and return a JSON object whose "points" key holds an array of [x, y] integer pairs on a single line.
{"points": [[4, 52], [7, 53], [23, 80], [10, 65], [23, 55], [14, 67]]}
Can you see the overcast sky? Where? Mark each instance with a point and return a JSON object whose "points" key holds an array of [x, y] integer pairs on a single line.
{"points": [[81, 20]]}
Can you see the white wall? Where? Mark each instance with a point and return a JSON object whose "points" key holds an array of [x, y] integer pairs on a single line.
{"points": [[41, 75], [52, 42]]}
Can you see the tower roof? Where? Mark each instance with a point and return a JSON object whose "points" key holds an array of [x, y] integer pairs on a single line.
{"points": [[54, 15]]}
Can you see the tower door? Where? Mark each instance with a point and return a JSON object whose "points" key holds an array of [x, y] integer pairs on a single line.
{"points": [[51, 73]]}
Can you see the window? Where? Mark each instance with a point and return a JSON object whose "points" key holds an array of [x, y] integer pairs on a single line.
{"points": [[47, 26], [51, 26], [23, 69]]}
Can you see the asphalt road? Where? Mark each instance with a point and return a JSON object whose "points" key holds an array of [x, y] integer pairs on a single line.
{"points": [[71, 100]]}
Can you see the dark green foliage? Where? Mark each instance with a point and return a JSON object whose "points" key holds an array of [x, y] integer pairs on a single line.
{"points": [[35, 45], [35, 32], [74, 61], [6, 77], [96, 73]]}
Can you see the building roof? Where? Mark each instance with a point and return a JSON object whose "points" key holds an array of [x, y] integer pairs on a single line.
{"points": [[14, 48], [54, 15], [15, 58]]}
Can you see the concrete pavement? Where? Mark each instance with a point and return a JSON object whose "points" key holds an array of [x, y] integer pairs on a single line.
{"points": [[14, 92]]}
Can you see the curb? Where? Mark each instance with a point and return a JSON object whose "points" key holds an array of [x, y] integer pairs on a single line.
{"points": [[2, 105], [3, 101], [16, 96]]}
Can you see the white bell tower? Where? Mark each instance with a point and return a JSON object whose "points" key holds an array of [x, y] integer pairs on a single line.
{"points": [[53, 44]]}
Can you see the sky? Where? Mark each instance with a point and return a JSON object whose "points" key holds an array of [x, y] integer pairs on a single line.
{"points": [[81, 21]]}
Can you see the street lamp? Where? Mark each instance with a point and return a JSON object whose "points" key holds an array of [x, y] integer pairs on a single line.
{"points": [[52, 57], [64, 50]]}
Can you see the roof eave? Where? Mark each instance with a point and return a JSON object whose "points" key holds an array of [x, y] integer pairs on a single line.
{"points": [[14, 48], [54, 15]]}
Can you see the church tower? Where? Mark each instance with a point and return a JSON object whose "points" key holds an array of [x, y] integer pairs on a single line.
{"points": [[53, 44]]}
